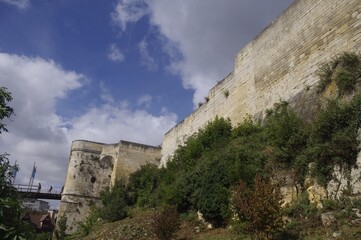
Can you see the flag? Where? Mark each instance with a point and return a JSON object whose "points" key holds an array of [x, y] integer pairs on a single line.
{"points": [[32, 178], [15, 169], [34, 171]]}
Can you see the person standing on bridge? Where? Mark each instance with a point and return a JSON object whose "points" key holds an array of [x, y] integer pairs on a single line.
{"points": [[50, 189], [39, 187]]}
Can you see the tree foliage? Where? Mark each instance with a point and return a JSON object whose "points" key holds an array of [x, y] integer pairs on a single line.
{"points": [[11, 227], [5, 110], [334, 138], [60, 232], [142, 186], [114, 202], [286, 134], [220, 159], [344, 70], [205, 169]]}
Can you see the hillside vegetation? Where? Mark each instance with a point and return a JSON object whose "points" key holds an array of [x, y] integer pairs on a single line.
{"points": [[230, 174]]}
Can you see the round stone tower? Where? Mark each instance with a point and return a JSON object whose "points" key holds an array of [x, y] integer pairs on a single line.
{"points": [[86, 177]]}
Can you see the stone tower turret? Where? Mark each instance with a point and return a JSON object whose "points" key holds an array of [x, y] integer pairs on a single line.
{"points": [[95, 166]]}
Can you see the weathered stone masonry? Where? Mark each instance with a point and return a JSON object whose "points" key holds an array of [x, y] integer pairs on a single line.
{"points": [[95, 166], [279, 64]]}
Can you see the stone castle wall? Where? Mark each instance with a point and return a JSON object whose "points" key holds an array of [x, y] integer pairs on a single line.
{"points": [[95, 166], [277, 65]]}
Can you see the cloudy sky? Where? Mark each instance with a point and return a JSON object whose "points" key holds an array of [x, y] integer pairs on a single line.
{"points": [[111, 70]]}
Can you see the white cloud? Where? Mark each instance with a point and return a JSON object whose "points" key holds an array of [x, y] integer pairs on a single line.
{"points": [[128, 11], [38, 134], [105, 94], [21, 4], [112, 122], [210, 35], [115, 54], [146, 59], [207, 34], [145, 101], [35, 131]]}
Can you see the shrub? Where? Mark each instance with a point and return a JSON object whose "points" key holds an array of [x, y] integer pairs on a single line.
{"points": [[60, 231], [301, 208], [286, 135], [246, 128], [334, 139], [114, 202], [259, 209], [324, 73], [216, 133], [165, 222], [213, 203], [86, 226], [142, 186], [344, 70], [182, 179], [43, 236]]}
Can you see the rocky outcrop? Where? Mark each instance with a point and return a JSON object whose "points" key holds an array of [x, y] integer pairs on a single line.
{"points": [[347, 181]]}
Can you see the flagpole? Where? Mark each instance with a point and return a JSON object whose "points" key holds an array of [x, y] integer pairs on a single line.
{"points": [[32, 176], [15, 171]]}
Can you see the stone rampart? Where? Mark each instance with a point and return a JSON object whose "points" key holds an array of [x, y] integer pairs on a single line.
{"points": [[277, 65], [95, 166]]}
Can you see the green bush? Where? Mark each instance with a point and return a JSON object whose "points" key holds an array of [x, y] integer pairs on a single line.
{"points": [[214, 135], [86, 226], [324, 73], [142, 186], [203, 171], [5, 110], [189, 173], [114, 201], [286, 135], [43, 236], [301, 208], [344, 70], [246, 128], [60, 231], [334, 140]]}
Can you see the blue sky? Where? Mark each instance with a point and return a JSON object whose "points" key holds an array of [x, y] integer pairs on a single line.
{"points": [[111, 70]]}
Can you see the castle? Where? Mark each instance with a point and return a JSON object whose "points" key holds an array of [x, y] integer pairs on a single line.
{"points": [[279, 64]]}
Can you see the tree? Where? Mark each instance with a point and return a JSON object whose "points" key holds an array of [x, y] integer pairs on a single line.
{"points": [[5, 110], [142, 186], [11, 227]]}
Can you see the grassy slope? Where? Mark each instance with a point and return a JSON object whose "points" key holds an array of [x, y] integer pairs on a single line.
{"points": [[139, 227]]}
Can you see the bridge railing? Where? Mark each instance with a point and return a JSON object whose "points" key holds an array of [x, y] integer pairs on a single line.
{"points": [[25, 188], [33, 188]]}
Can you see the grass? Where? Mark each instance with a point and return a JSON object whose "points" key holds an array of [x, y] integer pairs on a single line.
{"points": [[139, 227]]}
